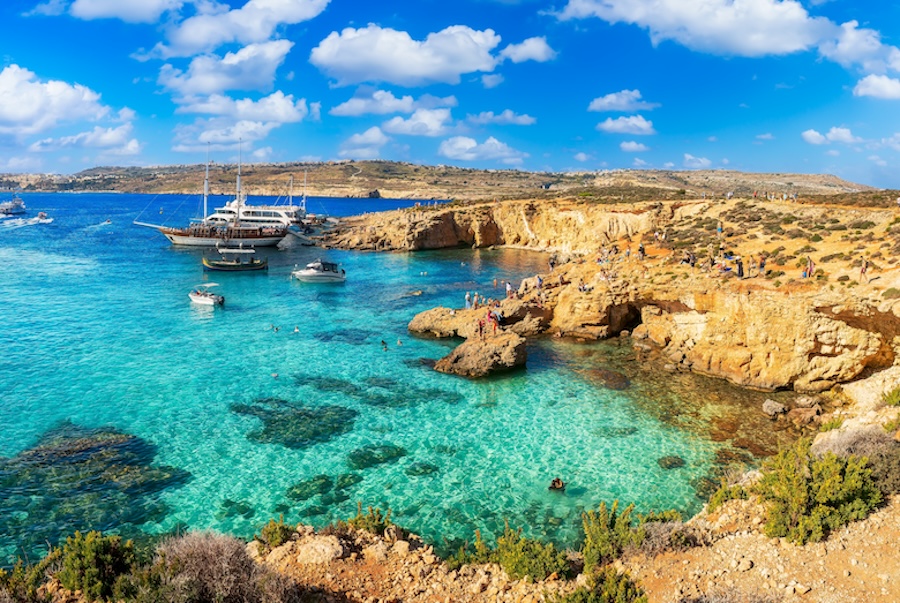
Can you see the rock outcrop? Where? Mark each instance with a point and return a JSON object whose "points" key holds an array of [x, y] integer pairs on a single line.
{"points": [[478, 357]]}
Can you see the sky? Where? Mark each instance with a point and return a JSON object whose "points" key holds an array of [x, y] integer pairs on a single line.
{"points": [[809, 86]]}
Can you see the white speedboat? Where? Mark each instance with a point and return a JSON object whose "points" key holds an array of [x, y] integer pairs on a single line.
{"points": [[13, 207], [202, 295], [320, 272]]}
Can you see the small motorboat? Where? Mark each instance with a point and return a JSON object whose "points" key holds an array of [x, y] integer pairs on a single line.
{"points": [[320, 272], [202, 295], [235, 259]]}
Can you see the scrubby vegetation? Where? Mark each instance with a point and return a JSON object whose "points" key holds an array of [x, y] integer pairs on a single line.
{"points": [[607, 586], [275, 533], [891, 397], [517, 555], [607, 533], [809, 496], [92, 563]]}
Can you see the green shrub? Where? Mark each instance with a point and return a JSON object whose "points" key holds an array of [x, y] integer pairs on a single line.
{"points": [[521, 557], [808, 496], [481, 554], [275, 533], [891, 293], [93, 562], [834, 423], [892, 397], [661, 517], [724, 494], [607, 533], [373, 521], [608, 586], [893, 425], [21, 584]]}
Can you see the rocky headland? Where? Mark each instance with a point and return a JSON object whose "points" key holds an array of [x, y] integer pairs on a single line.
{"points": [[767, 329]]}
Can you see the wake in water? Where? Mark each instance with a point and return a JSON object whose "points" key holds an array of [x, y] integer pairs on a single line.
{"points": [[21, 222]]}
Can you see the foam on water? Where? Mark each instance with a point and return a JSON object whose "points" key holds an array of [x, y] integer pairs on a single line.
{"points": [[100, 332]]}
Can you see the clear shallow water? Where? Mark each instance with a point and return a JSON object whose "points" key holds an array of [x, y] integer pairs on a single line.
{"points": [[99, 331]]}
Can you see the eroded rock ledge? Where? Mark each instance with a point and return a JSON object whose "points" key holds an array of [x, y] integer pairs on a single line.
{"points": [[805, 336]]}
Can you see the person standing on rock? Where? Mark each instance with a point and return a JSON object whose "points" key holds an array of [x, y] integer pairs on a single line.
{"points": [[508, 290], [863, 268], [740, 268], [468, 300]]}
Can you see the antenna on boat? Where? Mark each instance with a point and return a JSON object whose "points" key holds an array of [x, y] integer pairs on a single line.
{"points": [[291, 191], [303, 201]]}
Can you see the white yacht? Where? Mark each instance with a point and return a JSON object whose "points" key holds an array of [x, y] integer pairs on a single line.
{"points": [[320, 272], [13, 207]]}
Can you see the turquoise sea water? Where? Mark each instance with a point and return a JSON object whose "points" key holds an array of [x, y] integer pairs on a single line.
{"points": [[99, 332]]}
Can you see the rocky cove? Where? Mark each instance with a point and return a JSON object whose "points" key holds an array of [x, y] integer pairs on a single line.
{"points": [[805, 334]]}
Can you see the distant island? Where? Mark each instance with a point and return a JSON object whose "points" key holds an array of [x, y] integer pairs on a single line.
{"points": [[396, 180]]}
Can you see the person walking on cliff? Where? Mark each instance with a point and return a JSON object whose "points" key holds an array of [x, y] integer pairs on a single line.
{"points": [[862, 270]]}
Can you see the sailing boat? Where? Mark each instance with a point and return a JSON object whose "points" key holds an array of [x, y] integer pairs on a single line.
{"points": [[224, 227]]}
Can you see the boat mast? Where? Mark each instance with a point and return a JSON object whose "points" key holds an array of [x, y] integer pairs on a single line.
{"points": [[237, 218], [206, 185], [303, 200]]}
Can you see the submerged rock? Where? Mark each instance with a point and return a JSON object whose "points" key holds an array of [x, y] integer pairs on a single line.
{"points": [[308, 488], [370, 456], [421, 469], [76, 478], [230, 508], [294, 425], [481, 357], [609, 379], [671, 462]]}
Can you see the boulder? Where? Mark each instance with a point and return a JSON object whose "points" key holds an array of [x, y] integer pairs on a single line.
{"points": [[480, 357], [802, 417], [773, 408], [319, 549]]}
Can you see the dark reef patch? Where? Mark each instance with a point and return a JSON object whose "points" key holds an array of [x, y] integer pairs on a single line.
{"points": [[351, 336], [231, 508], [294, 425], [308, 488], [421, 469], [380, 392], [670, 462], [376, 454], [77, 478]]}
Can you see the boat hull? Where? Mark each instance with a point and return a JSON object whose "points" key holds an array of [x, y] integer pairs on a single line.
{"points": [[207, 300], [317, 277], [228, 266], [189, 240]]}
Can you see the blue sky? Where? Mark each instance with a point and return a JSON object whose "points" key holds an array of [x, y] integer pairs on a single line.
{"points": [[756, 85]]}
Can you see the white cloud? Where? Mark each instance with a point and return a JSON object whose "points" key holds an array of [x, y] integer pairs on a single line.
{"points": [[423, 122], [734, 27], [220, 133], [382, 102], [635, 124], [835, 134], [250, 68], [276, 107], [262, 154], [373, 53], [814, 137], [30, 106], [504, 118], [713, 139], [627, 101], [100, 138], [532, 49], [892, 142], [668, 165], [638, 162], [51, 8], [833, 153], [766, 136], [877, 160], [878, 86], [217, 24], [692, 162], [582, 157], [131, 11], [859, 47], [491, 80], [843, 135], [633, 147], [364, 146], [725, 161], [464, 148]]}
